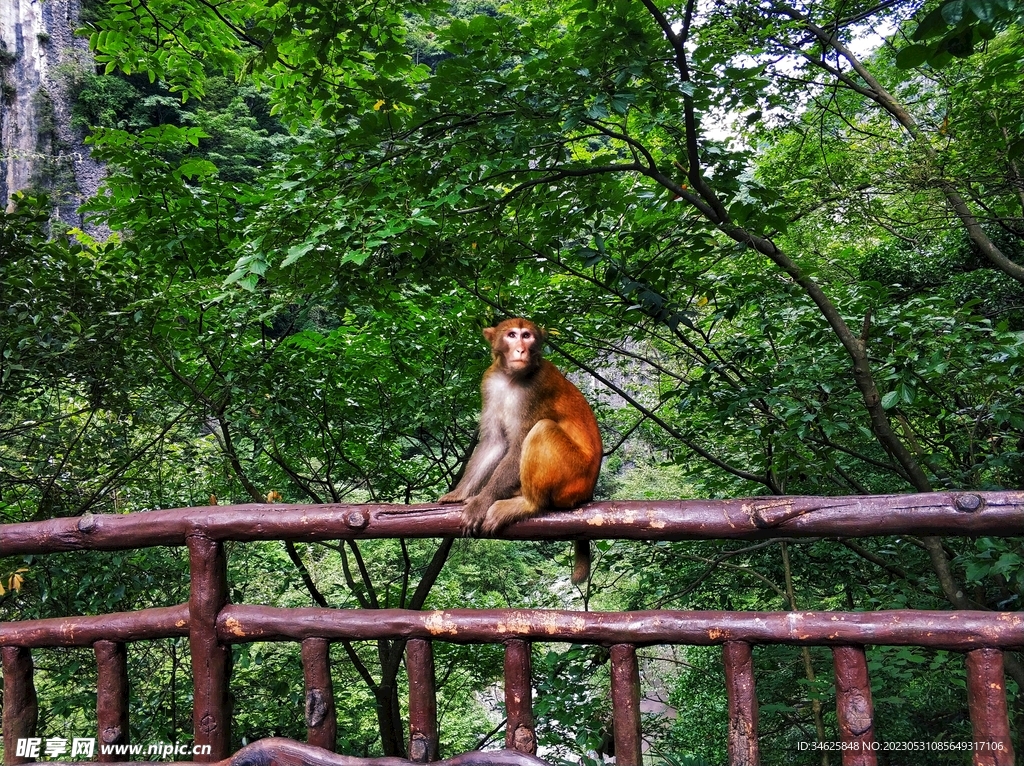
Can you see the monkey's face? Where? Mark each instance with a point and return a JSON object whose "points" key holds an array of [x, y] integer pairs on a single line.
{"points": [[515, 345]]}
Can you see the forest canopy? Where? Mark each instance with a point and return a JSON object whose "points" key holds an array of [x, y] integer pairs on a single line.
{"points": [[779, 246]]}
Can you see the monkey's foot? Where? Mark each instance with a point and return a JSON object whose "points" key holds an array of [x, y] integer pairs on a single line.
{"points": [[504, 512], [451, 497]]}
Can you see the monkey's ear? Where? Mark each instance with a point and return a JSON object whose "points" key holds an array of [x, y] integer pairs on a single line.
{"points": [[489, 334], [543, 333]]}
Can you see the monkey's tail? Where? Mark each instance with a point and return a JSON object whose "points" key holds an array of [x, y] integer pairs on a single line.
{"points": [[581, 562]]}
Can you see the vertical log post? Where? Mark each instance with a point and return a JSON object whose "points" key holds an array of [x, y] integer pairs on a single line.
{"points": [[986, 700], [21, 709], [211, 660], [854, 709], [111, 697], [520, 729], [419, 661], [321, 718], [739, 685], [626, 705]]}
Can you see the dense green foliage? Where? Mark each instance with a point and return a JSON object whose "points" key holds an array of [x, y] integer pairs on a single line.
{"points": [[780, 248]]}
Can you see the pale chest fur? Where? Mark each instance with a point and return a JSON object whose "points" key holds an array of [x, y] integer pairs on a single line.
{"points": [[503, 402]]}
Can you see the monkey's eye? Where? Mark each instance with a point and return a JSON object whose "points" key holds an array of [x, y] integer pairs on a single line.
{"points": [[526, 336]]}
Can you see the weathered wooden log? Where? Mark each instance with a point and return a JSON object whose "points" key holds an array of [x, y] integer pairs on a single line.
{"points": [[626, 705], [520, 726], [111, 697], [321, 716], [211, 659], [21, 709], [937, 513], [277, 751], [742, 743], [286, 752], [423, 736], [986, 699], [242, 623], [854, 709], [143, 625], [955, 630]]}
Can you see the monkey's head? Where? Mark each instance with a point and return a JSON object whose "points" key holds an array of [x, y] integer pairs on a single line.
{"points": [[516, 345]]}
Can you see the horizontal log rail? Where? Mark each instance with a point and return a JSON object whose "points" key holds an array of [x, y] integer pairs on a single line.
{"points": [[142, 625], [278, 751], [243, 623], [934, 513], [212, 624]]}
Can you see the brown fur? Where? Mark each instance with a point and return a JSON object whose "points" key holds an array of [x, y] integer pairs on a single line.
{"points": [[539, 443]]}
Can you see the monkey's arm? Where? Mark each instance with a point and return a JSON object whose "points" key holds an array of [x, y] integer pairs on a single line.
{"points": [[488, 453]]}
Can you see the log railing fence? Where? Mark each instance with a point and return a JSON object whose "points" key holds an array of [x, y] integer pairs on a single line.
{"points": [[212, 624]]}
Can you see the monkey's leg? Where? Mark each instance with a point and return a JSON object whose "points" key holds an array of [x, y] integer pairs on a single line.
{"points": [[555, 474], [503, 483], [553, 470]]}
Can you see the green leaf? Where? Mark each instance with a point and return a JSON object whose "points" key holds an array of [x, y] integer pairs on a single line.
{"points": [[912, 56], [984, 10], [952, 11], [598, 110], [358, 257], [620, 102], [196, 168], [932, 25], [458, 30], [296, 252], [482, 26]]}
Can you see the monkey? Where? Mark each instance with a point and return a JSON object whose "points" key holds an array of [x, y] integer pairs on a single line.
{"points": [[539, 445]]}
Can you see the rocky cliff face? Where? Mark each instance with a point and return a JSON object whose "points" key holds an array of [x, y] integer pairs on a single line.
{"points": [[38, 148]]}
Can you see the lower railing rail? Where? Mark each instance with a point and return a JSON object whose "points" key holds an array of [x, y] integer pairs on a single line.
{"points": [[981, 636], [212, 625]]}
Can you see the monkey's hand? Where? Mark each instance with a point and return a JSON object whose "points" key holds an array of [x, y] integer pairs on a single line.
{"points": [[473, 514]]}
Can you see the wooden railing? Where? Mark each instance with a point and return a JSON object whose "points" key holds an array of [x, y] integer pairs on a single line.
{"points": [[212, 624]]}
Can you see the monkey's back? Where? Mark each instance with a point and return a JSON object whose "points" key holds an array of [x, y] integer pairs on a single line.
{"points": [[565, 405]]}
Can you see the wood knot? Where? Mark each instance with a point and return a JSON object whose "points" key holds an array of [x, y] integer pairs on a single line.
{"points": [[859, 718], [769, 514], [357, 519], [208, 724], [968, 503], [524, 740], [112, 735], [87, 523], [419, 748], [316, 708]]}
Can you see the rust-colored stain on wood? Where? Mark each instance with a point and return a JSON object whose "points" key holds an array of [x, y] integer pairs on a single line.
{"points": [[439, 625], [234, 627]]}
